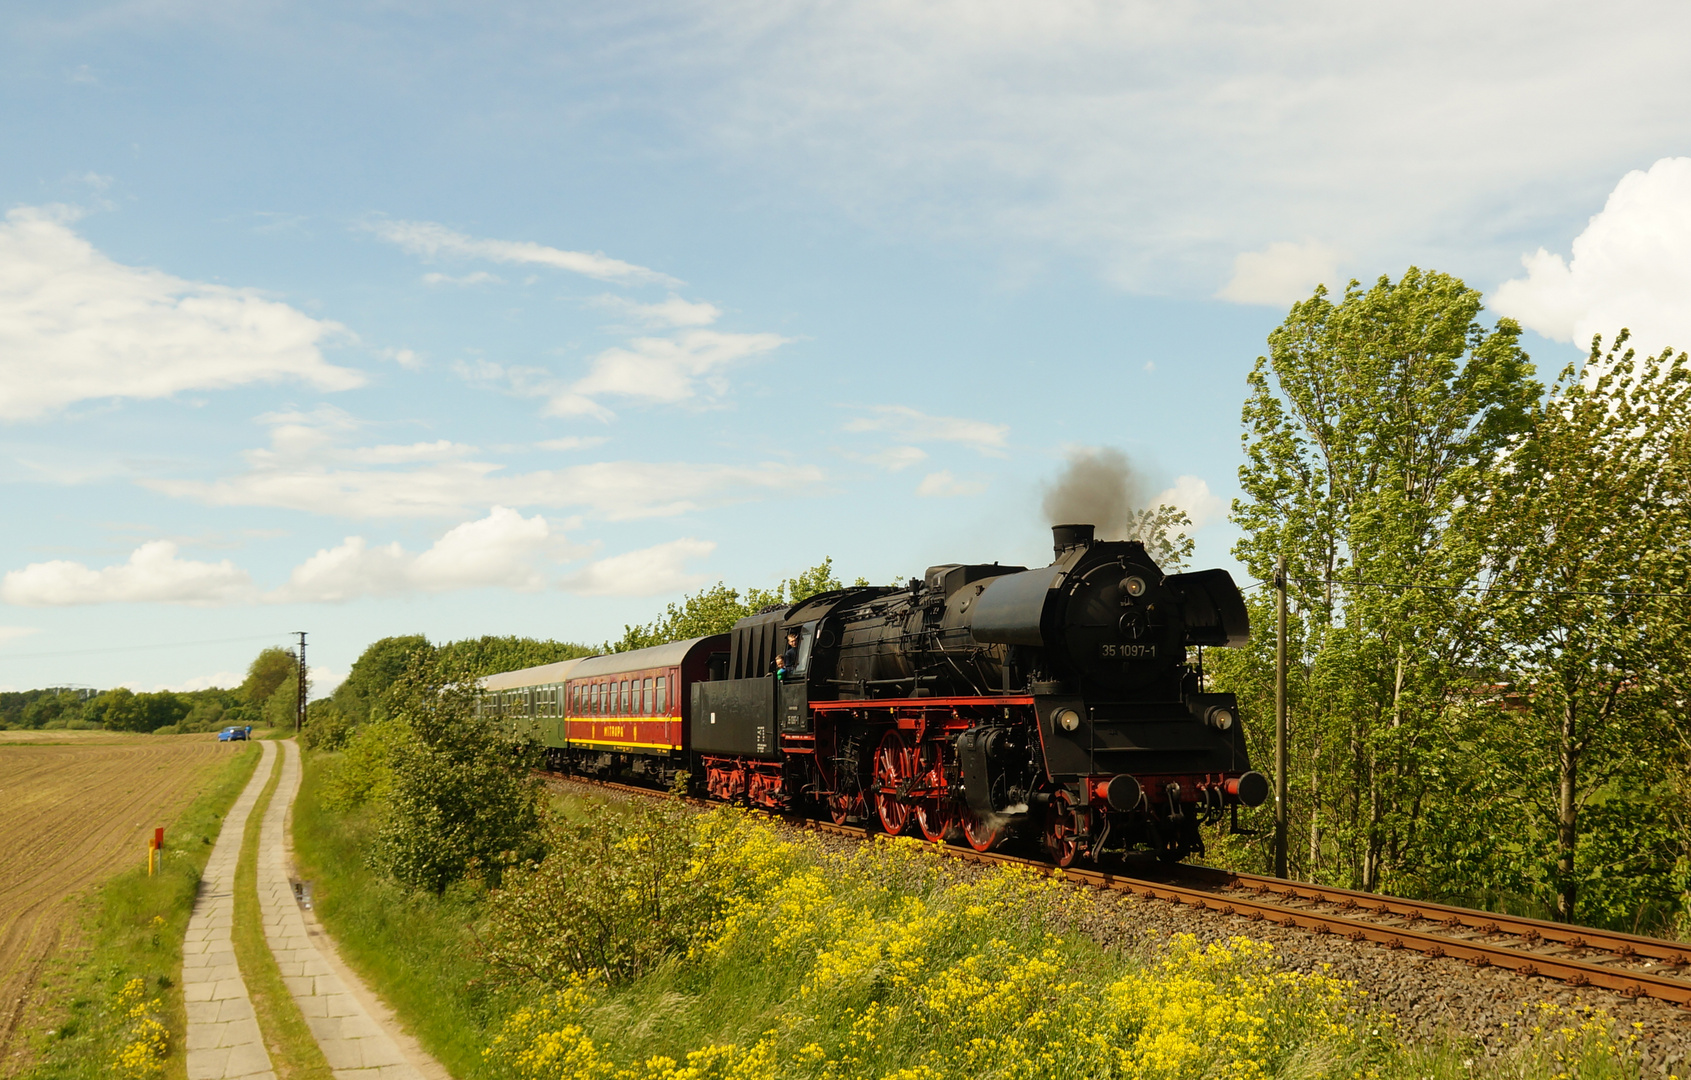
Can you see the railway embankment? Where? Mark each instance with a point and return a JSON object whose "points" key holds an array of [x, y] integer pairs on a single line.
{"points": [[1482, 1006], [651, 941]]}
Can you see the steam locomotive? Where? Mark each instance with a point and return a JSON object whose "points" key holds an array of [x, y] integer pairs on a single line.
{"points": [[1064, 704]]}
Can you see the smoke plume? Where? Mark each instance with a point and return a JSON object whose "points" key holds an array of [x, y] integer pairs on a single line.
{"points": [[1098, 487]]}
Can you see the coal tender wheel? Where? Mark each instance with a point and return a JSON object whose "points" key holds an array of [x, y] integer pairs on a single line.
{"points": [[895, 768]]}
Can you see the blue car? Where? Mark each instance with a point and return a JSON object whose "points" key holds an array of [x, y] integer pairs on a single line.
{"points": [[230, 734]]}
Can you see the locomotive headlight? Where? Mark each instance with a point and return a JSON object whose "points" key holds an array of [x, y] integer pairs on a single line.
{"points": [[1220, 718], [1133, 585], [1067, 719]]}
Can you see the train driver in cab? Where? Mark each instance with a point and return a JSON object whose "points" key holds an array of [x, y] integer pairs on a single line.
{"points": [[787, 664]]}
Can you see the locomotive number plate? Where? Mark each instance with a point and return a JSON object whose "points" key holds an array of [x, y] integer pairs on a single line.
{"points": [[1127, 651]]}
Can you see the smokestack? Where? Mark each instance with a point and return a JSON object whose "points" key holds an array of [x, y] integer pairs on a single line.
{"points": [[1065, 538]]}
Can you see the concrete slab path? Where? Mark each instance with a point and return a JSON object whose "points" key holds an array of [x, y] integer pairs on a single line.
{"points": [[340, 1011], [223, 1039]]}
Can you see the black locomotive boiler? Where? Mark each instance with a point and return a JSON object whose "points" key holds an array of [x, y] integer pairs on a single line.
{"points": [[981, 702]]}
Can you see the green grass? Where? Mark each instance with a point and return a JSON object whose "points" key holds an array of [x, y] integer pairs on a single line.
{"points": [[415, 949], [132, 927], [294, 1052]]}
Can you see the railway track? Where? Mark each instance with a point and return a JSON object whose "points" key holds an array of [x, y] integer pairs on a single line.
{"points": [[1577, 955]]}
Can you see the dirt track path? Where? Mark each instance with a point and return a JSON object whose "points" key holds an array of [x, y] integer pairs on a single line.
{"points": [[72, 814]]}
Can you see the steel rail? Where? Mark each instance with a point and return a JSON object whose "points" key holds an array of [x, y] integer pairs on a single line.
{"points": [[1532, 931], [1270, 904]]}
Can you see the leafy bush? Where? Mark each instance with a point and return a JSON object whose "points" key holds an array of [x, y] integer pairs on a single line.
{"points": [[462, 795], [619, 891], [362, 772], [326, 727]]}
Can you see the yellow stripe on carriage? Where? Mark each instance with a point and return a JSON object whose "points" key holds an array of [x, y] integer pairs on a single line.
{"points": [[621, 742]]}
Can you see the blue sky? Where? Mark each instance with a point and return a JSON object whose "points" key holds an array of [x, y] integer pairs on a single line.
{"points": [[504, 318]]}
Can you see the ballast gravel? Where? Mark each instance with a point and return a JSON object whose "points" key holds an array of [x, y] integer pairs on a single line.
{"points": [[1432, 998]]}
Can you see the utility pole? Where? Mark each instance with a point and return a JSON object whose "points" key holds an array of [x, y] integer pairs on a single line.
{"points": [[299, 707], [1279, 718]]}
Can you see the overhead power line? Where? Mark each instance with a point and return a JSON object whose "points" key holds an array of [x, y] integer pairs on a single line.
{"points": [[1498, 588], [140, 648], [1482, 588]]}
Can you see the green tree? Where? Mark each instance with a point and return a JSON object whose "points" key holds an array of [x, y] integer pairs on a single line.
{"points": [[124, 710], [270, 670], [361, 696], [161, 709], [1162, 530], [55, 708], [715, 610], [1586, 528], [1368, 424], [487, 655], [117, 710], [281, 708], [461, 795]]}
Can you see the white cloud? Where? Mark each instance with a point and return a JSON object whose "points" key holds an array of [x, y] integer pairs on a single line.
{"points": [[665, 370], [672, 311], [498, 551], [307, 468], [501, 550], [1282, 274], [220, 680], [1162, 139], [894, 458], [1631, 268], [153, 574], [942, 485], [479, 277], [571, 442], [75, 326], [432, 240], [324, 681], [1192, 494], [9, 634], [648, 572], [910, 425]]}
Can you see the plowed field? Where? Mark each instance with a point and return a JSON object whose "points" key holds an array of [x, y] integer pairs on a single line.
{"points": [[72, 813]]}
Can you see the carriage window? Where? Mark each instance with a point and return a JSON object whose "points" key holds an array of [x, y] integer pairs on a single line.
{"points": [[593, 705], [625, 701], [663, 698], [651, 702]]}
